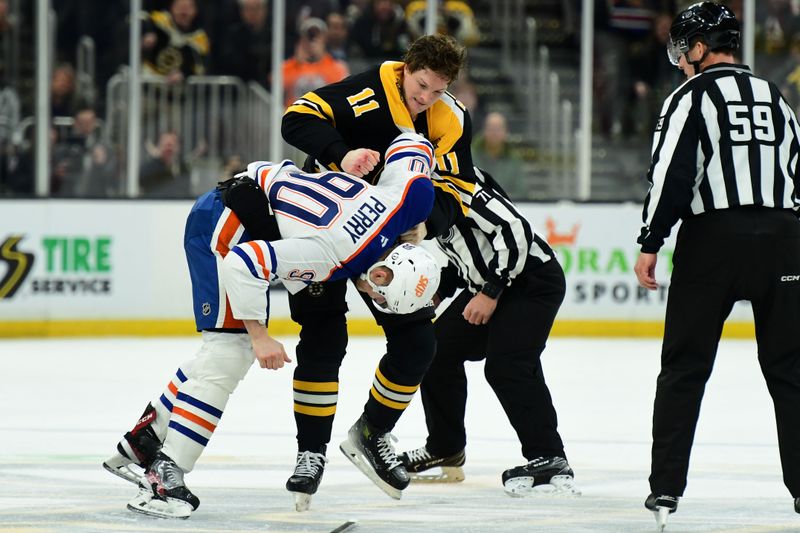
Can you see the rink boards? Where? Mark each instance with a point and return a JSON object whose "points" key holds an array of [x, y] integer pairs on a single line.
{"points": [[81, 267]]}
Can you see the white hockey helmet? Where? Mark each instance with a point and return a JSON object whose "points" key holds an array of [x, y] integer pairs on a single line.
{"points": [[415, 279]]}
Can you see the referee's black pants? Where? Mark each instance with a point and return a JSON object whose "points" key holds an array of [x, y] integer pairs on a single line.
{"points": [[512, 343], [722, 257]]}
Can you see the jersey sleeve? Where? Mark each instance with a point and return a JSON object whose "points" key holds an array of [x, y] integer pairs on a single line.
{"points": [[672, 170], [249, 267], [246, 271], [311, 122]]}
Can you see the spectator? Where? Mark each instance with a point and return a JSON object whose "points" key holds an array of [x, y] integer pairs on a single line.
{"points": [[455, 19], [654, 77], [298, 11], [6, 27], [62, 91], [172, 43], [96, 162], [164, 174], [22, 168], [338, 39], [491, 152], [381, 32], [311, 66], [466, 93], [246, 49], [624, 25]]}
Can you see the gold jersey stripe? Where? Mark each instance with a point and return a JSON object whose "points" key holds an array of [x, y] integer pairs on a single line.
{"points": [[393, 386], [449, 190], [385, 401], [314, 411], [316, 386]]}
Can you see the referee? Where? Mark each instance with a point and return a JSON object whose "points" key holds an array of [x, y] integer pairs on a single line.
{"points": [[725, 162], [514, 288]]}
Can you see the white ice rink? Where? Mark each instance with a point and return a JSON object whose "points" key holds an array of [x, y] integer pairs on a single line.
{"points": [[66, 402]]}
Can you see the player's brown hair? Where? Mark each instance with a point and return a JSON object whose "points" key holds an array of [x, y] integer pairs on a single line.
{"points": [[439, 53]]}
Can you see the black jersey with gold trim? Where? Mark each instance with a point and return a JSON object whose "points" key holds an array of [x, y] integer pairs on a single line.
{"points": [[366, 111]]}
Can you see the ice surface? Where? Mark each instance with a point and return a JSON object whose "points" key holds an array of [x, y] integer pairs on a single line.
{"points": [[67, 402]]}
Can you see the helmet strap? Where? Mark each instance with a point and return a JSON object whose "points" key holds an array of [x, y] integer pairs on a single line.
{"points": [[696, 64]]}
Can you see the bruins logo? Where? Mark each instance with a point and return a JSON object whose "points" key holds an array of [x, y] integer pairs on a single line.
{"points": [[316, 289]]}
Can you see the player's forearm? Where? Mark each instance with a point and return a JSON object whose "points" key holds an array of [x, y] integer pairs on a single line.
{"points": [[314, 136]]}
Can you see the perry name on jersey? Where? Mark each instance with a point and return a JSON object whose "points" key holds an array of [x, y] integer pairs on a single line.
{"points": [[332, 225]]}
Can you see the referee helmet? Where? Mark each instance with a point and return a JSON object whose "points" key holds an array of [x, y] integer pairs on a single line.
{"points": [[714, 24]]}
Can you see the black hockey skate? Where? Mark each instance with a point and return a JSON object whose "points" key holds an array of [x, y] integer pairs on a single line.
{"points": [[542, 476], [372, 453], [163, 493], [419, 460], [138, 448], [306, 478], [797, 505], [663, 505]]}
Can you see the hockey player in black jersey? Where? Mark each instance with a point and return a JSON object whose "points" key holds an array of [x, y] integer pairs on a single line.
{"points": [[347, 126]]}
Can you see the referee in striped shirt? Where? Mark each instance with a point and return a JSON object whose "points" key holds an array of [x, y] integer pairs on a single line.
{"points": [[725, 162], [514, 287]]}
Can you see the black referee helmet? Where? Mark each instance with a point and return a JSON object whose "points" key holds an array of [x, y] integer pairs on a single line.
{"points": [[714, 24]]}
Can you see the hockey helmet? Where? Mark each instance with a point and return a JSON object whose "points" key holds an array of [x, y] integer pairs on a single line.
{"points": [[714, 23], [415, 279]]}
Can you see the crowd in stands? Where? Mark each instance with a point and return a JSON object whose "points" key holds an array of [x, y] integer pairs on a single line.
{"points": [[325, 40], [183, 38]]}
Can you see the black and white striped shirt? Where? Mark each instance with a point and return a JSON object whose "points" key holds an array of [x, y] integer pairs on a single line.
{"points": [[725, 138], [494, 242]]}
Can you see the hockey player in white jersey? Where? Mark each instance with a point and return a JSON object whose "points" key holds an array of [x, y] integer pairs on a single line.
{"points": [[332, 226]]}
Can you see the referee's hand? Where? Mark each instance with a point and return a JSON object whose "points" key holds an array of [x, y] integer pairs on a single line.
{"points": [[645, 270]]}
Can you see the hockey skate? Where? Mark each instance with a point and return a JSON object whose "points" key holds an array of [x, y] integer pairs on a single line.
{"points": [[306, 478], [163, 493], [797, 505], [663, 506], [420, 460], [372, 453], [136, 450], [543, 476]]}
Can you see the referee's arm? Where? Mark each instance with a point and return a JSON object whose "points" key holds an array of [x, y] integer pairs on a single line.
{"points": [[672, 171]]}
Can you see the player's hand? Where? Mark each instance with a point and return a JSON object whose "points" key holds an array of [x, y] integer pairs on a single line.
{"points": [[437, 300], [480, 309], [645, 270], [415, 234], [270, 353], [360, 162]]}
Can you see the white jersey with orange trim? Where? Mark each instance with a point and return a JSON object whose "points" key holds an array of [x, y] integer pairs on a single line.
{"points": [[333, 225]]}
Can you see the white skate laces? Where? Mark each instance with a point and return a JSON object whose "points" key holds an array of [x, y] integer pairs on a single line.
{"points": [[420, 455], [309, 464], [386, 450]]}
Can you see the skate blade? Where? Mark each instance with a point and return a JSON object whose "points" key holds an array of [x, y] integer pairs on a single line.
{"points": [[124, 472], [360, 462], [525, 487], [302, 501], [161, 508], [449, 474], [661, 514]]}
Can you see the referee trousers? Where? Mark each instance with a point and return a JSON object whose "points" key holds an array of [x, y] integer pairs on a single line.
{"points": [[512, 343], [722, 257]]}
